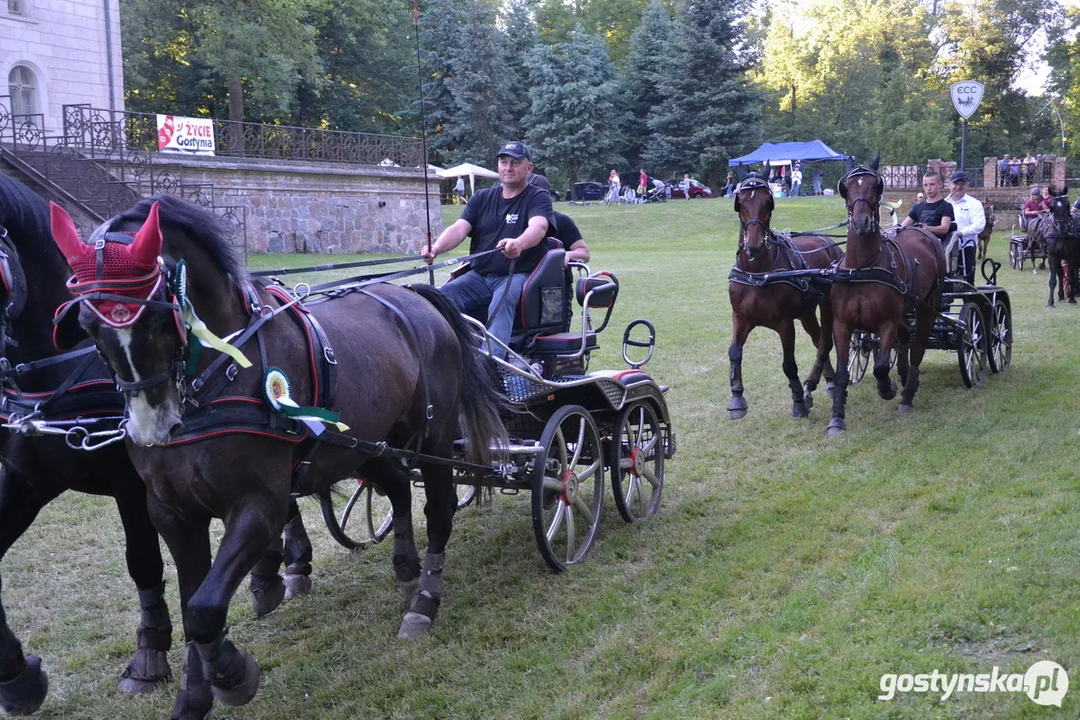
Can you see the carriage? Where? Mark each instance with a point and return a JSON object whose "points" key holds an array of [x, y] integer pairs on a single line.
{"points": [[568, 426], [973, 321]]}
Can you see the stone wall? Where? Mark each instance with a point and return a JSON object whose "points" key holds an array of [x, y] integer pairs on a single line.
{"points": [[325, 208]]}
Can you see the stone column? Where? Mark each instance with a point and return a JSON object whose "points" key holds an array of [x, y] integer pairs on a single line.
{"points": [[990, 165], [1057, 173]]}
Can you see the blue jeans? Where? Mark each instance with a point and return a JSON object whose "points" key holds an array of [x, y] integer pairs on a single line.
{"points": [[474, 292], [796, 189], [817, 186]]}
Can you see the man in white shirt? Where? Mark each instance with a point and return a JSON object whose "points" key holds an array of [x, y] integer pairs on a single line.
{"points": [[970, 221]]}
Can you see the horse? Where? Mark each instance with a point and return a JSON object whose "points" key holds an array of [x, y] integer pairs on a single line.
{"points": [[758, 301], [1063, 245], [984, 237], [879, 281], [410, 372], [38, 381], [1035, 246]]}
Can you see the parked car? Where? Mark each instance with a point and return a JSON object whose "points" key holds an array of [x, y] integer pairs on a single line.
{"points": [[587, 190], [697, 189]]}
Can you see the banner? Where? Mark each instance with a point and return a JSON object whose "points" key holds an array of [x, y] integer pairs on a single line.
{"points": [[185, 135]]}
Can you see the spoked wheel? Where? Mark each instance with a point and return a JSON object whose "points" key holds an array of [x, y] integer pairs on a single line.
{"points": [[637, 462], [972, 350], [1000, 337], [1014, 256], [862, 345], [568, 487], [354, 527]]}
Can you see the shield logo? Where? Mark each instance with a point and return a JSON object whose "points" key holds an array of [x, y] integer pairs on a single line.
{"points": [[966, 96]]}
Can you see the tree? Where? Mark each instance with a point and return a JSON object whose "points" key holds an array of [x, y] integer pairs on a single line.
{"points": [[519, 36], [649, 63], [574, 123], [613, 20], [709, 111]]}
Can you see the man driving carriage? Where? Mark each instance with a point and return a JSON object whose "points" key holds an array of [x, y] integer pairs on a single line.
{"points": [[935, 213], [513, 217]]}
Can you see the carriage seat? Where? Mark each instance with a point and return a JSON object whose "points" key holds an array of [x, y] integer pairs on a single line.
{"points": [[545, 300], [593, 292]]}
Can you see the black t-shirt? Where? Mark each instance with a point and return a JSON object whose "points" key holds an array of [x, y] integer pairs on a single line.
{"points": [[493, 218], [932, 213], [565, 230]]}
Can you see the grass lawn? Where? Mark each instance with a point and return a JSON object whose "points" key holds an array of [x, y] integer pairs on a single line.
{"points": [[785, 573]]}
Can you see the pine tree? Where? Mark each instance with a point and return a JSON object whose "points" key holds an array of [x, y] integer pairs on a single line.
{"points": [[519, 36], [709, 111], [646, 66], [574, 123]]}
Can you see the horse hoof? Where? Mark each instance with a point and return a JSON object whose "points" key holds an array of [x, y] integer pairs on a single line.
{"points": [[241, 690], [266, 600], [413, 626], [1050, 304], [297, 585], [736, 414], [1071, 301], [906, 409], [24, 693], [836, 426], [808, 399], [799, 410], [146, 672], [888, 394]]}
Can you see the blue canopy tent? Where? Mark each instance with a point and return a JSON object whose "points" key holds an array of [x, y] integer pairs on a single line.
{"points": [[784, 153]]}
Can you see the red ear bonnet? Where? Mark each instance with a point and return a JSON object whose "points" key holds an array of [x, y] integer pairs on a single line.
{"points": [[147, 246], [66, 235]]}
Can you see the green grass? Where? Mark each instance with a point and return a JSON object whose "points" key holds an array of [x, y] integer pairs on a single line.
{"points": [[785, 573]]}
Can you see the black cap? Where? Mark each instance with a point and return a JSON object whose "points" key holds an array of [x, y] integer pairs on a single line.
{"points": [[516, 150], [958, 176], [539, 181]]}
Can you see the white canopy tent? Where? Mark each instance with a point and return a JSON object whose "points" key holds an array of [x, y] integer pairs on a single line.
{"points": [[468, 170]]}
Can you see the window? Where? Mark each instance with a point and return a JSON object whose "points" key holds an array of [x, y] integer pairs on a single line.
{"points": [[16, 7], [23, 90]]}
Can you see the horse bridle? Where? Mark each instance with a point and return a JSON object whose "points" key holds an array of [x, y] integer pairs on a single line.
{"points": [[875, 223], [754, 183]]}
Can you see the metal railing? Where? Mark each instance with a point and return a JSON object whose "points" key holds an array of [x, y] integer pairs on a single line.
{"points": [[903, 177]]}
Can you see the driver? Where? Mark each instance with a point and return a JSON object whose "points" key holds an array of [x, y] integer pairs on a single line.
{"points": [[513, 217], [935, 213]]}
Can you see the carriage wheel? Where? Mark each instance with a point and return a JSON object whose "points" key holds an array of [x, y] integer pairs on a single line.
{"points": [[859, 355], [1014, 256], [637, 462], [1001, 339], [568, 487], [351, 531], [972, 350]]}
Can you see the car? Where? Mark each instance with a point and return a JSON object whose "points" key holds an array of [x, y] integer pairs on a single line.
{"points": [[587, 190], [697, 189]]}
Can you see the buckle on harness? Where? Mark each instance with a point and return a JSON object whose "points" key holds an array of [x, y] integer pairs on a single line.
{"points": [[99, 244], [380, 448], [328, 353], [430, 412], [230, 372]]}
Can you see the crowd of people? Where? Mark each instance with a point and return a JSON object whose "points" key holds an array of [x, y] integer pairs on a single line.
{"points": [[1014, 171]]}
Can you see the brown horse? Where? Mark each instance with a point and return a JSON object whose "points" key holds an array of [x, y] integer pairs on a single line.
{"points": [[1063, 245], [984, 237], [878, 282], [212, 440], [758, 300]]}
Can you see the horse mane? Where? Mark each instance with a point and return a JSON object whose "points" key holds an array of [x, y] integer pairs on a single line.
{"points": [[205, 229], [25, 215]]}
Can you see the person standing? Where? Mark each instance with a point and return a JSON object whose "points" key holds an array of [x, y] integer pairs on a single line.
{"points": [[796, 181], [970, 221], [513, 217], [615, 185], [1003, 171], [459, 190], [816, 177], [685, 185], [1029, 168], [643, 183]]}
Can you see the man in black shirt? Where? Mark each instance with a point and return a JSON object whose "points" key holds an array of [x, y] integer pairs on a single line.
{"points": [[564, 229], [935, 213], [513, 217]]}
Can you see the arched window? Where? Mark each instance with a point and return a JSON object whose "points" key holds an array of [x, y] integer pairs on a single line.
{"points": [[22, 87]]}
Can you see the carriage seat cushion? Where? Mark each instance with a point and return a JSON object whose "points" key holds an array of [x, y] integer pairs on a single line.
{"points": [[544, 301], [563, 343], [603, 299]]}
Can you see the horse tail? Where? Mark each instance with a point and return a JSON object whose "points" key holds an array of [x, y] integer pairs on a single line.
{"points": [[480, 401]]}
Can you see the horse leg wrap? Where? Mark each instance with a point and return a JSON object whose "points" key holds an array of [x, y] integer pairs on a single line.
{"points": [[234, 675], [406, 559], [24, 693], [150, 666], [298, 554], [425, 603], [798, 402], [267, 587], [907, 399], [194, 701]]}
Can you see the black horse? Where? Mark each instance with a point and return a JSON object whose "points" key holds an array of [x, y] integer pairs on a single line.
{"points": [[1063, 245], [36, 469], [760, 298], [399, 364], [878, 282]]}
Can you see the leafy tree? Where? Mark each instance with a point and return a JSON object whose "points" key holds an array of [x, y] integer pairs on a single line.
{"points": [[613, 20], [709, 110], [574, 123], [519, 35]]}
